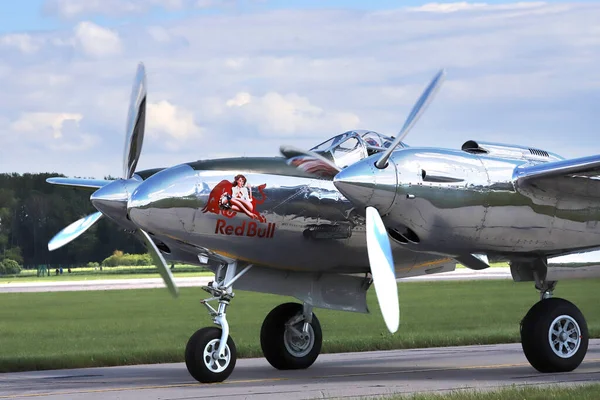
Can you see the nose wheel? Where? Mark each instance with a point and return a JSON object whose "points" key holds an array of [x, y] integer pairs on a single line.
{"points": [[210, 354], [291, 337], [202, 356]]}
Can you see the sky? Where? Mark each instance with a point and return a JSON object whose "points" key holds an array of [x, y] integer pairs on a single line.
{"points": [[243, 77]]}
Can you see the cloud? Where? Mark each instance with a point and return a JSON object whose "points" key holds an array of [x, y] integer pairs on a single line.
{"points": [[55, 131], [523, 74], [281, 115], [164, 118], [159, 34], [97, 41], [40, 122], [239, 100], [70, 9], [466, 6], [25, 43]]}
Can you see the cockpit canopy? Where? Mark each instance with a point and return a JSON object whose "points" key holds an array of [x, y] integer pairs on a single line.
{"points": [[352, 146]]}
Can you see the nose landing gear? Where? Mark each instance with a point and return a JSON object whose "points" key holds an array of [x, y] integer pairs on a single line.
{"points": [[210, 354], [290, 335]]}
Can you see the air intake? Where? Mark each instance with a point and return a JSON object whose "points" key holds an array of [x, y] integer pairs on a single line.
{"points": [[509, 151]]}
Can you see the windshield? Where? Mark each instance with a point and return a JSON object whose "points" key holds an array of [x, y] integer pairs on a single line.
{"points": [[332, 142], [348, 152], [349, 147]]}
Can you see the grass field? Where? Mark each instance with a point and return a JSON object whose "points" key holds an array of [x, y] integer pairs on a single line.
{"points": [[94, 328], [581, 392]]}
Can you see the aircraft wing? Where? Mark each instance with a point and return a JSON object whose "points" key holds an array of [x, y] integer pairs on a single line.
{"points": [[575, 178], [588, 166], [79, 182]]}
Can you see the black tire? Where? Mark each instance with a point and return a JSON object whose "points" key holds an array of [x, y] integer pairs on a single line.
{"points": [[272, 339], [535, 328], [194, 356]]}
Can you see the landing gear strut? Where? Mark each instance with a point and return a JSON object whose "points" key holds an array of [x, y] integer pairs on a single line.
{"points": [[554, 333], [210, 354]]}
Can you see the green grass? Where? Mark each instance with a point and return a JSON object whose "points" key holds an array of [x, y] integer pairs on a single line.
{"points": [[555, 392], [95, 328]]}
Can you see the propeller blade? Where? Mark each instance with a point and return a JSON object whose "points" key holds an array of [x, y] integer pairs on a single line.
{"points": [[310, 162], [73, 231], [382, 269], [136, 120], [160, 263], [414, 116]]}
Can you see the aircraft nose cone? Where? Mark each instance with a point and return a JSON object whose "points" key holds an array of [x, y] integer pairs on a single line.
{"points": [[112, 200], [366, 185], [355, 183], [154, 203]]}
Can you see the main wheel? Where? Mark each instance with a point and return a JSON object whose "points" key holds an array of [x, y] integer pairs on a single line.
{"points": [[554, 336], [285, 346], [201, 357]]}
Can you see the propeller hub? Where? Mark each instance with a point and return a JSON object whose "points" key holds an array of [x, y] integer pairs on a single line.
{"points": [[366, 185], [112, 199]]}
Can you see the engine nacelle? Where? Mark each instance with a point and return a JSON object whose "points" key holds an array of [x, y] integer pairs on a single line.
{"points": [[509, 151]]}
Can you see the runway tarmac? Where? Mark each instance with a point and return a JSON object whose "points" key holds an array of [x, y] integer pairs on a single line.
{"points": [[99, 284], [147, 283], [332, 376]]}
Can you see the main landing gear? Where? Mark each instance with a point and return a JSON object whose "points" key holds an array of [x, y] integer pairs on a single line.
{"points": [[554, 334], [290, 336]]}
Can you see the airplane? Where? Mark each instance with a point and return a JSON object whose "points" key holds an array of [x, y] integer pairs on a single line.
{"points": [[361, 209]]}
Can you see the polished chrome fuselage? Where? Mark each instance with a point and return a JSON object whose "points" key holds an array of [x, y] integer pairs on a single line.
{"points": [[453, 202], [456, 202], [303, 224]]}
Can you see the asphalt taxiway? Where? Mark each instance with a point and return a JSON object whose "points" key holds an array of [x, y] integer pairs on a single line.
{"points": [[147, 283], [332, 376], [99, 284]]}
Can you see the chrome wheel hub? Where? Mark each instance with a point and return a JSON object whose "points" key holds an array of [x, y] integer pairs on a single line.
{"points": [[211, 358], [298, 343], [564, 336]]}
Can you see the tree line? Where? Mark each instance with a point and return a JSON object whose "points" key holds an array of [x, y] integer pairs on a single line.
{"points": [[33, 211]]}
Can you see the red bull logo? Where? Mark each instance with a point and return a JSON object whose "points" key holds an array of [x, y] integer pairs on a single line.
{"points": [[229, 198], [246, 228]]}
